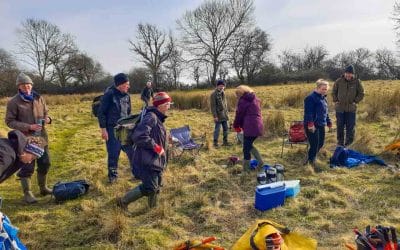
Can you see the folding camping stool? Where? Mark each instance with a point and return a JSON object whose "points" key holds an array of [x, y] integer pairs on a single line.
{"points": [[295, 135], [181, 141]]}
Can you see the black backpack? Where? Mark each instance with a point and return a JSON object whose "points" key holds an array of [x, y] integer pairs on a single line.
{"points": [[63, 191], [96, 103]]}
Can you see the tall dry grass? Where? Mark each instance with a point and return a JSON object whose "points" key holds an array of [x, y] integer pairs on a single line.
{"points": [[295, 99], [274, 124], [382, 103], [199, 100]]}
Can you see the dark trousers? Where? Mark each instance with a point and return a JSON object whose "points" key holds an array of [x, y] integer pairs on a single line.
{"points": [[345, 120], [114, 148], [43, 165], [151, 182], [316, 141], [217, 128], [247, 146]]}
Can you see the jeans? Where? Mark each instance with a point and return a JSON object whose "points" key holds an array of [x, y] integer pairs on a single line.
{"points": [[43, 165], [217, 129], [316, 141], [114, 148], [247, 146], [345, 120]]}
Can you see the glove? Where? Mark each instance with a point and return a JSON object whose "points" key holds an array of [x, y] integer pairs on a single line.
{"points": [[311, 127], [238, 130], [158, 149]]}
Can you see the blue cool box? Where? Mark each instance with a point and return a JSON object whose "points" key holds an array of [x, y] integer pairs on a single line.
{"points": [[269, 196], [292, 188]]}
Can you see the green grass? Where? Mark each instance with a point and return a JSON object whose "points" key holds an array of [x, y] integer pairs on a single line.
{"points": [[202, 197]]}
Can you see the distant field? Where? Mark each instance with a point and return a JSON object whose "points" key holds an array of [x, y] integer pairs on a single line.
{"points": [[203, 197]]}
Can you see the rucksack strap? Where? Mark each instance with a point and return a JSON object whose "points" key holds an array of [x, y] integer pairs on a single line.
{"points": [[280, 228]]}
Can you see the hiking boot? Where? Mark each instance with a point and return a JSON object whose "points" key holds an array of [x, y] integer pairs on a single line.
{"points": [[26, 188], [42, 181], [226, 144], [112, 180], [215, 144], [246, 165], [121, 204]]}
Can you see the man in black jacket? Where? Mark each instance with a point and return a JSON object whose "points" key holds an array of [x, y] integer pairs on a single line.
{"points": [[115, 104], [149, 155]]}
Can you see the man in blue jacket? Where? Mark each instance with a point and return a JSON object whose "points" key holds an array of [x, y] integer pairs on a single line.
{"points": [[115, 104], [316, 117]]}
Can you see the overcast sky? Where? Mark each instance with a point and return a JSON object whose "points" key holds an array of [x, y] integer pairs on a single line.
{"points": [[102, 27]]}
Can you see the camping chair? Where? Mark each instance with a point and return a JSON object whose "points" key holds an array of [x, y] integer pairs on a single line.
{"points": [[181, 141], [295, 135]]}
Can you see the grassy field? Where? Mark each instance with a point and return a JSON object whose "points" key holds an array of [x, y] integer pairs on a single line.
{"points": [[202, 197]]}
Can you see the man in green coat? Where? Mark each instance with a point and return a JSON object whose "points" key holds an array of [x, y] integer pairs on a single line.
{"points": [[347, 93], [219, 110]]}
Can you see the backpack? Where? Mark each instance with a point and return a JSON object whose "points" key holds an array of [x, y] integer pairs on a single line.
{"points": [[296, 132], [63, 191], [96, 105], [126, 126]]}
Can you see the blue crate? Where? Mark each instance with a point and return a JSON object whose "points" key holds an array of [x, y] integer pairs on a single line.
{"points": [[269, 196], [292, 188]]}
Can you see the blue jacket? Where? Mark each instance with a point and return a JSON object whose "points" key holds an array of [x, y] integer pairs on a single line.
{"points": [[316, 110], [114, 105], [149, 132]]}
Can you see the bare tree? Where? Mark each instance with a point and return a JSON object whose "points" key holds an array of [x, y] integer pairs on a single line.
{"points": [[290, 61], [43, 46], [153, 46], [196, 74], [396, 19], [386, 64], [313, 57], [174, 64], [208, 30], [8, 73], [84, 69], [249, 52]]}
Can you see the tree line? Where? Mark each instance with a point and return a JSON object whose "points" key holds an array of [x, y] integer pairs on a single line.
{"points": [[218, 39]]}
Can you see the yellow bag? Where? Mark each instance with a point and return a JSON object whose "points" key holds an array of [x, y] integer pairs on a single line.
{"points": [[254, 238]]}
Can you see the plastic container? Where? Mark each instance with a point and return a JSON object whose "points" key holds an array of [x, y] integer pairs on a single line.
{"points": [[269, 196], [280, 172], [292, 188], [261, 178], [271, 175], [253, 164]]}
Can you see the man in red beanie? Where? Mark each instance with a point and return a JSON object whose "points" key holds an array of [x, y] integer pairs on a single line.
{"points": [[149, 156]]}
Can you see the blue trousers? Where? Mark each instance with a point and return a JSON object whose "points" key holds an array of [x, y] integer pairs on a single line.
{"points": [[217, 128], [247, 146], [316, 141], [345, 120], [114, 148]]}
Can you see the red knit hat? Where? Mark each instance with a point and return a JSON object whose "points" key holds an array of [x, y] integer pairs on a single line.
{"points": [[161, 98]]}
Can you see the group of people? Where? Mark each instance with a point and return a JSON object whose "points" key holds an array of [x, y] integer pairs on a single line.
{"points": [[27, 114]]}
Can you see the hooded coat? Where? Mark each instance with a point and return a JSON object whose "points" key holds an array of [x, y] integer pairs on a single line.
{"points": [[10, 148], [248, 115]]}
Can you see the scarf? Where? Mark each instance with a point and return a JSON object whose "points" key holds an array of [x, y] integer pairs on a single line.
{"points": [[25, 97]]}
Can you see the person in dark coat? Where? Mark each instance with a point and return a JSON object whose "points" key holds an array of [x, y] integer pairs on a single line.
{"points": [[18, 152], [147, 94], [115, 104], [248, 119], [219, 110], [316, 117], [149, 154], [347, 92]]}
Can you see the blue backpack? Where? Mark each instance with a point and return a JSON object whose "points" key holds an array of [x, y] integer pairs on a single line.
{"points": [[63, 191]]}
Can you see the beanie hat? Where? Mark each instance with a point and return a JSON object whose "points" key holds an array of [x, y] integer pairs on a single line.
{"points": [[120, 79], [349, 69], [34, 149], [22, 78], [220, 82], [161, 98]]}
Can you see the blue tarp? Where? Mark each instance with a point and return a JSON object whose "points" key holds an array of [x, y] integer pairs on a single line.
{"points": [[351, 158]]}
